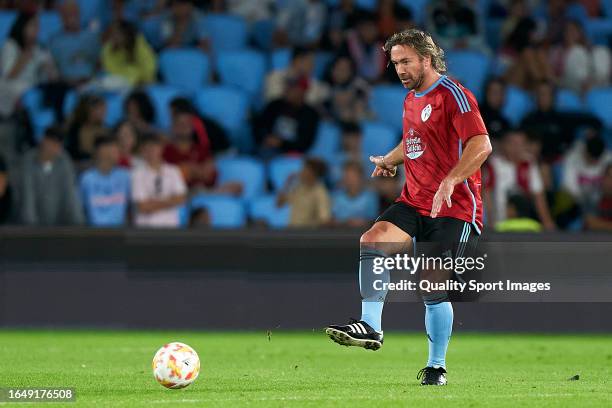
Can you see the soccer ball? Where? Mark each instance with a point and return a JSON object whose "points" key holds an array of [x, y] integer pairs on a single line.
{"points": [[176, 365]]}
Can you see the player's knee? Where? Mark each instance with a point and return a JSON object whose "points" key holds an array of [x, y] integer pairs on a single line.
{"points": [[371, 237]]}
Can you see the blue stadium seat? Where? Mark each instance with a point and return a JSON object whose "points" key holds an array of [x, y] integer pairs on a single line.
{"points": [[227, 105], [264, 208], [281, 168], [90, 10], [327, 141], [160, 96], [387, 102], [244, 69], [50, 24], [598, 102], [606, 7], [418, 8], [247, 170], [322, 61], [280, 58], [114, 108], [568, 101], [150, 27], [32, 100], [226, 31], [185, 68], [262, 33], [518, 104], [599, 30], [40, 116], [224, 211], [7, 18], [470, 68], [378, 139], [41, 121], [367, 4]]}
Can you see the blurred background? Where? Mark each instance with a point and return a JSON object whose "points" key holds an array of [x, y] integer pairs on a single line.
{"points": [[261, 113]]}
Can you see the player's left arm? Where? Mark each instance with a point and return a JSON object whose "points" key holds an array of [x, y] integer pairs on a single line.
{"points": [[476, 151]]}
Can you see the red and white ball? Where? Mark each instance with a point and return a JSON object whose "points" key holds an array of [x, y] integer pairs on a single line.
{"points": [[176, 365]]}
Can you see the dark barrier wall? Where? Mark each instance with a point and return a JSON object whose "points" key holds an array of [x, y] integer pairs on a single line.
{"points": [[229, 280]]}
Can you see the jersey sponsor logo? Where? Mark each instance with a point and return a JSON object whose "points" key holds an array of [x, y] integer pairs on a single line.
{"points": [[426, 112], [413, 145]]}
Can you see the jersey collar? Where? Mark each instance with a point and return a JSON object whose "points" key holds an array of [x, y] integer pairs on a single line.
{"points": [[425, 92]]}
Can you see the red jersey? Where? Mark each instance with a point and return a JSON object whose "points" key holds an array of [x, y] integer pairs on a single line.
{"points": [[437, 123]]}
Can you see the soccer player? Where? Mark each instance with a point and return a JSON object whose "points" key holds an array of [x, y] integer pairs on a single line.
{"points": [[444, 143]]}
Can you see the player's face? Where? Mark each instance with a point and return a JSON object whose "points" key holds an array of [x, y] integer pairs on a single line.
{"points": [[408, 65]]}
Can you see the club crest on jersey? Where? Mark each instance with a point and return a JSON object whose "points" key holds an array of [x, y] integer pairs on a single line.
{"points": [[414, 147], [426, 112]]}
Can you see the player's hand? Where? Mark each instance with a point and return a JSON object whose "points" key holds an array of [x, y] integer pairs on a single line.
{"points": [[382, 169], [443, 195]]}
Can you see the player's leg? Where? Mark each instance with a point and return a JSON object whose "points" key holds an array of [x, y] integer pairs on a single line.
{"points": [[448, 237], [386, 237]]}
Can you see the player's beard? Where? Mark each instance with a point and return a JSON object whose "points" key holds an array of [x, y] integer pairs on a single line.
{"points": [[417, 81]]}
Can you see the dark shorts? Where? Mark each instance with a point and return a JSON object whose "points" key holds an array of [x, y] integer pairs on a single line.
{"points": [[438, 237]]}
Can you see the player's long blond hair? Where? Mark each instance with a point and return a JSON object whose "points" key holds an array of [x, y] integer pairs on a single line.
{"points": [[423, 45]]}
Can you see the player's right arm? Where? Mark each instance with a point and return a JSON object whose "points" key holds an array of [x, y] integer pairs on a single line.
{"points": [[386, 166]]}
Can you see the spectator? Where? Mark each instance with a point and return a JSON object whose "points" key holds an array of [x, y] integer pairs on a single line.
{"points": [[601, 218], [140, 112], [6, 193], [74, 50], [300, 22], [514, 172], [365, 48], [49, 184], [307, 196], [455, 25], [351, 142], [182, 26], [555, 129], [491, 108], [105, 188], [199, 218], [340, 19], [126, 55], [252, 11], [300, 69], [393, 17], [583, 171], [158, 189], [579, 65], [208, 132], [23, 63], [524, 58], [85, 125], [127, 141], [518, 216], [348, 97], [353, 204], [288, 124], [193, 156]]}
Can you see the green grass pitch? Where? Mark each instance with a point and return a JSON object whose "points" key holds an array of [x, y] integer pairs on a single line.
{"points": [[113, 368]]}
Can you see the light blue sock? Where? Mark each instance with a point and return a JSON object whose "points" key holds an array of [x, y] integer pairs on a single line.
{"points": [[439, 326], [372, 301]]}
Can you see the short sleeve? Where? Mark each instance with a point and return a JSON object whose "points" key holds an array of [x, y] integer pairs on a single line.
{"points": [[8, 57], [536, 185], [466, 118], [180, 187]]}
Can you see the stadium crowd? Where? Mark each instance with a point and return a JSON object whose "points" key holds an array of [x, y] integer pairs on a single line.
{"points": [[226, 113]]}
